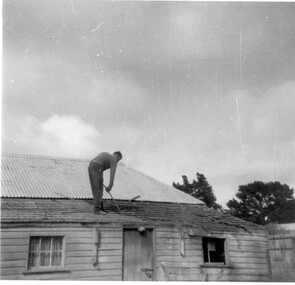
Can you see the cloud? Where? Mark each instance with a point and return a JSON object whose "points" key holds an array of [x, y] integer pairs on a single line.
{"points": [[58, 85], [214, 148], [116, 96], [59, 135], [146, 81], [268, 141]]}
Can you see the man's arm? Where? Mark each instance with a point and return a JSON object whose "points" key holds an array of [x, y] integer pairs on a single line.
{"points": [[113, 167]]}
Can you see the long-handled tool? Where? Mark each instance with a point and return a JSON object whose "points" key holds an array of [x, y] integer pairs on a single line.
{"points": [[133, 199], [113, 200]]}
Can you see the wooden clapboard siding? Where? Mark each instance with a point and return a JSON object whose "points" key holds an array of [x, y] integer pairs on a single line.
{"points": [[241, 242], [247, 254], [187, 277], [167, 234], [177, 263], [179, 258], [237, 278], [109, 265], [234, 274], [15, 242], [9, 256], [97, 274], [168, 246], [247, 271], [13, 263], [79, 253], [249, 265], [246, 257], [102, 252], [185, 270], [282, 256], [168, 253], [176, 252], [35, 227], [247, 249], [100, 278], [281, 243]]}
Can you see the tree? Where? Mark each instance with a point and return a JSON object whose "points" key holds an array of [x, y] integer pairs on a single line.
{"points": [[199, 189], [263, 203]]}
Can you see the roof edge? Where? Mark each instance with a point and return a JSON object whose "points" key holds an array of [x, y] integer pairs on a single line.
{"points": [[83, 199]]}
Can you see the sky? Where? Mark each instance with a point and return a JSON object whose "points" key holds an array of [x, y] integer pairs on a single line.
{"points": [[177, 87]]}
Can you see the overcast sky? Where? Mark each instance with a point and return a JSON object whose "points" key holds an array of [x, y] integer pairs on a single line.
{"points": [[178, 87]]}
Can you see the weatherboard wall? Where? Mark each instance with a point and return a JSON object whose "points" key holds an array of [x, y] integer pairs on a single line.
{"points": [[246, 255], [178, 255], [79, 253], [282, 256]]}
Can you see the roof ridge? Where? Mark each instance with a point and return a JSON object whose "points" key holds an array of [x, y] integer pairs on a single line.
{"points": [[37, 156]]}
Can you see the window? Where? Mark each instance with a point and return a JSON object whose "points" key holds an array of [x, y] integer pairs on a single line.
{"points": [[46, 252], [213, 249]]}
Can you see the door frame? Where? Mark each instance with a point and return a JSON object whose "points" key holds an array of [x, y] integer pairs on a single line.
{"points": [[135, 227]]}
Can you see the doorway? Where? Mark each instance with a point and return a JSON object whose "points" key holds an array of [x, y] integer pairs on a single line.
{"points": [[138, 255]]}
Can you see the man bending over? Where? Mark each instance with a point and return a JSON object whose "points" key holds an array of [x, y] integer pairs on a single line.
{"points": [[96, 168]]}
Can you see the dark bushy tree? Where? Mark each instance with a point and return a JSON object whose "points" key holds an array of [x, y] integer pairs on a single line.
{"points": [[199, 189], [264, 203]]}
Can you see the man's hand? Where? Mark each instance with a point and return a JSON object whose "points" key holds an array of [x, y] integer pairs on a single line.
{"points": [[108, 189]]}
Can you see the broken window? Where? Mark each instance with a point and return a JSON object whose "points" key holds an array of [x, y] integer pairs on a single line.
{"points": [[213, 249], [46, 252]]}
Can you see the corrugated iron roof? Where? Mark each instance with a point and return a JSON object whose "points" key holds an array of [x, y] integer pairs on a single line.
{"points": [[30, 176]]}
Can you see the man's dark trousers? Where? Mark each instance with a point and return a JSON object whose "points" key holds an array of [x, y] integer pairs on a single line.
{"points": [[96, 181]]}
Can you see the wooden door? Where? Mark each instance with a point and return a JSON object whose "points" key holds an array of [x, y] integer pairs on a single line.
{"points": [[138, 255]]}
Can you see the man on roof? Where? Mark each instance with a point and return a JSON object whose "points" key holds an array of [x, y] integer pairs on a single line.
{"points": [[96, 168]]}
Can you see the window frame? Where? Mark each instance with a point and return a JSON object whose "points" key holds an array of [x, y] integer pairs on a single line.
{"points": [[225, 252], [46, 268]]}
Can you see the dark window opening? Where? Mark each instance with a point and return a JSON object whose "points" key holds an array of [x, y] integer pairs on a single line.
{"points": [[213, 249]]}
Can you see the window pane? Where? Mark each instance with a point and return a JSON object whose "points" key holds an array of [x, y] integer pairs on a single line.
{"points": [[45, 251], [211, 246], [33, 259], [44, 259], [57, 244], [45, 243], [34, 242], [214, 256], [56, 259]]}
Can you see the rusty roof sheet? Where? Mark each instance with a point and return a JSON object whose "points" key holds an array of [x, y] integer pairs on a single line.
{"points": [[18, 210], [30, 176]]}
